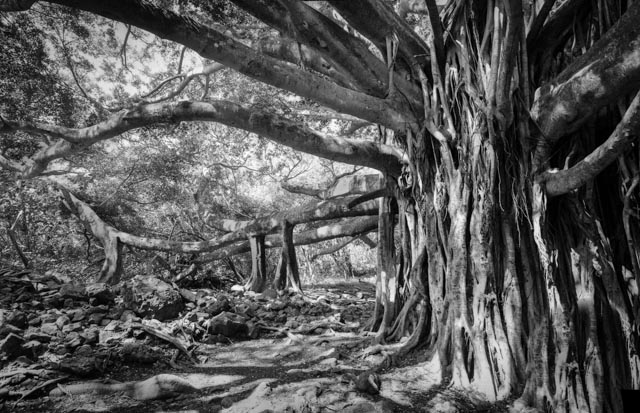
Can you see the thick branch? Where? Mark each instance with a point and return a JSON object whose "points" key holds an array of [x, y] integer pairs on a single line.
{"points": [[212, 44], [376, 20], [609, 70], [351, 228], [279, 129], [561, 182], [344, 186], [333, 248], [314, 211], [293, 52]]}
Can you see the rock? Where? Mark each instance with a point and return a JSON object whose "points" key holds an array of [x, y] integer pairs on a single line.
{"points": [[6, 329], [34, 348], [276, 306], [95, 318], [77, 314], [245, 310], [368, 383], [17, 319], [113, 325], [152, 297], [62, 321], [83, 350], [100, 309], [140, 353], [73, 291], [11, 346], [35, 321], [52, 301], [270, 294], [188, 295], [83, 366], [49, 329], [128, 315], [68, 303], [90, 335], [73, 327], [100, 293], [360, 295], [34, 335], [219, 306], [73, 340], [237, 288], [105, 337], [228, 324], [51, 316]]}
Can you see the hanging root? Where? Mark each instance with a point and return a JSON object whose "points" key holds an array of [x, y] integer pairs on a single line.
{"points": [[394, 352]]}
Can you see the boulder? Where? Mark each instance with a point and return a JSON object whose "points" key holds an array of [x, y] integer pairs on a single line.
{"points": [[152, 297], [11, 346], [221, 305], [50, 329], [229, 325], [100, 293], [17, 319], [73, 291]]}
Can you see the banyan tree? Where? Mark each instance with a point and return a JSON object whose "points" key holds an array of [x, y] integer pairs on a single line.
{"points": [[506, 135]]}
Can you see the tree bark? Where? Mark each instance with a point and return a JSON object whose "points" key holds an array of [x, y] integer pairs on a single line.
{"points": [[287, 273], [258, 279]]}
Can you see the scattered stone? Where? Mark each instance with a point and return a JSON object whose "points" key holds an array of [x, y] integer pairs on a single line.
{"points": [[90, 335], [100, 293], [96, 318], [73, 291], [76, 314], [229, 325], [83, 350], [18, 319], [11, 346], [219, 306], [35, 321], [50, 329], [30, 335], [140, 353], [83, 366], [152, 297], [62, 321], [128, 315], [100, 309], [33, 348], [188, 295]]}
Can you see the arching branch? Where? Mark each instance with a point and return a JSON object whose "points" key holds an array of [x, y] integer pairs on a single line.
{"points": [[609, 70], [313, 211], [561, 182], [347, 228], [213, 44], [376, 20], [277, 128]]}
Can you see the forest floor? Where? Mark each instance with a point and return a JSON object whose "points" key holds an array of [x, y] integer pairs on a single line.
{"points": [[321, 362]]}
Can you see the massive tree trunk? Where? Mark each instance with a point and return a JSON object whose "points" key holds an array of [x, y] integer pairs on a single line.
{"points": [[522, 278]]}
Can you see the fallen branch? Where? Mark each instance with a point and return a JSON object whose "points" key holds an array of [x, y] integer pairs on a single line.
{"points": [[176, 343]]}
